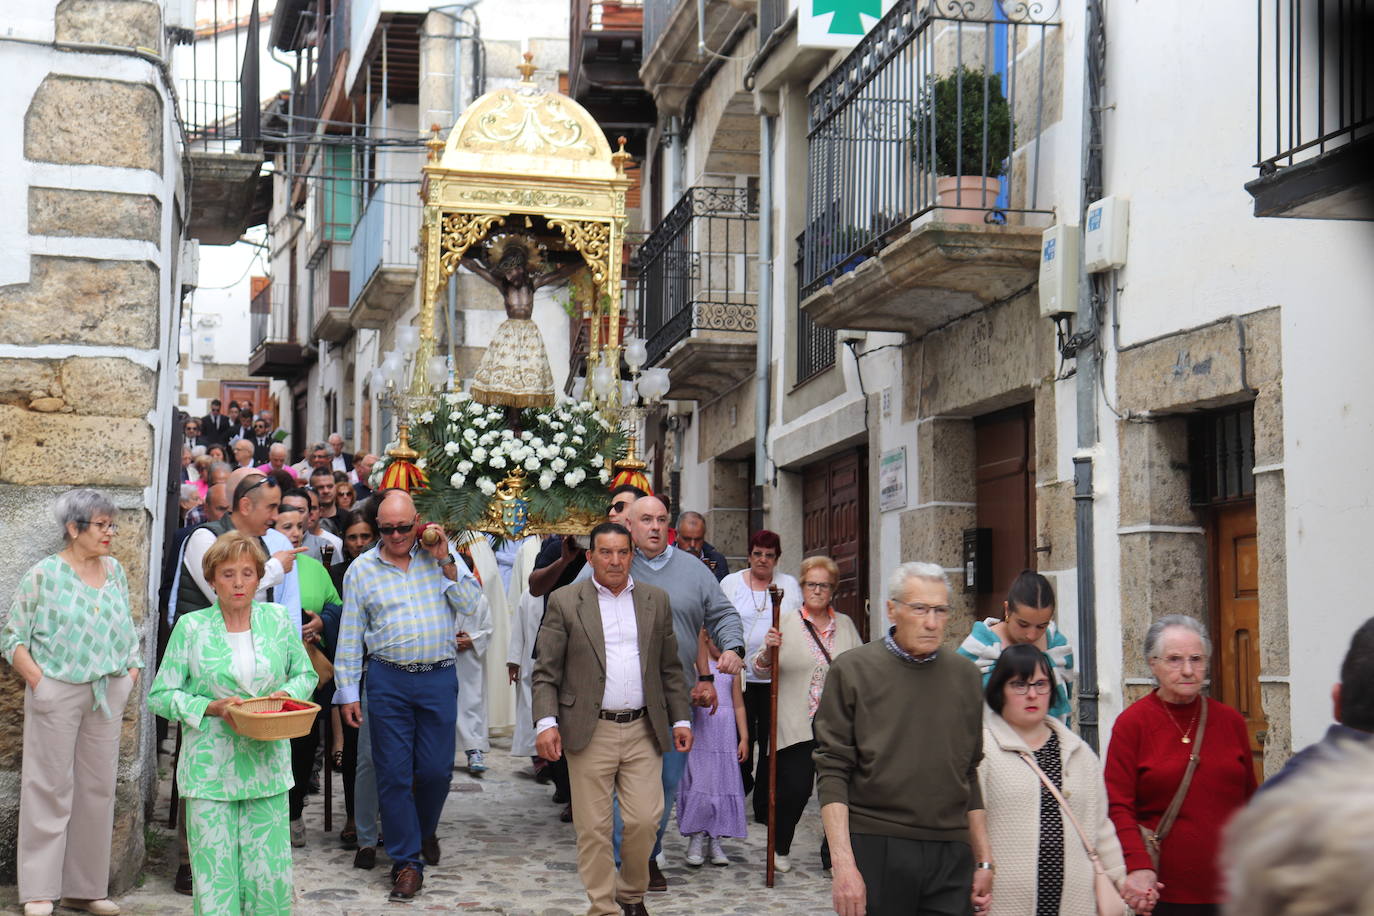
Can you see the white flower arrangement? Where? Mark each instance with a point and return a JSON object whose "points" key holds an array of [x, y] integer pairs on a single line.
{"points": [[468, 449]]}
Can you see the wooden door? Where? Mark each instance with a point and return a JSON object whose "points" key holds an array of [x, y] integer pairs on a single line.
{"points": [[1005, 487], [1235, 596], [835, 523], [254, 395]]}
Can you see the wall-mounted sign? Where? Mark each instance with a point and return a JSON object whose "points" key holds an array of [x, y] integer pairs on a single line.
{"points": [[892, 480], [837, 23]]}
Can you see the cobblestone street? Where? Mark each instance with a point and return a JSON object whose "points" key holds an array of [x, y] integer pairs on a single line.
{"points": [[505, 851]]}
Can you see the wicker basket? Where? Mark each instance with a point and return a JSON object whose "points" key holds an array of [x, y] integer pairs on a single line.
{"points": [[261, 718]]}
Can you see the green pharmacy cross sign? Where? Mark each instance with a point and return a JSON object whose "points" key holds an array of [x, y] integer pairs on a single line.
{"points": [[846, 19]]}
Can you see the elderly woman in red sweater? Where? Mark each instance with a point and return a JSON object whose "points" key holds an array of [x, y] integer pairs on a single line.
{"points": [[1152, 743]]}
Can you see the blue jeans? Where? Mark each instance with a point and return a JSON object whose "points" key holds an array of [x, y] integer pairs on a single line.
{"points": [[674, 765], [412, 720]]}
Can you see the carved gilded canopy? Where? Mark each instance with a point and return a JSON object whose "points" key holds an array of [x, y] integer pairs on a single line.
{"points": [[521, 152]]}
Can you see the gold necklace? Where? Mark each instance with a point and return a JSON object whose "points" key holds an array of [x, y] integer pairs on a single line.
{"points": [[1184, 734]]}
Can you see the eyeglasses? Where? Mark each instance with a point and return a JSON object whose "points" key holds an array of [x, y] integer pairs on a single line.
{"points": [[193, 429], [1177, 661], [817, 586], [939, 610], [762, 555], [1021, 688], [618, 507], [396, 529], [102, 527]]}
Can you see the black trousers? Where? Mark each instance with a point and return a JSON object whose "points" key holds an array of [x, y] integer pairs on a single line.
{"points": [[755, 771], [1183, 909], [914, 877], [796, 779], [349, 770], [302, 765]]}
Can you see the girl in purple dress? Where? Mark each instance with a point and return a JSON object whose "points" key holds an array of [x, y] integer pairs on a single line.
{"points": [[710, 799]]}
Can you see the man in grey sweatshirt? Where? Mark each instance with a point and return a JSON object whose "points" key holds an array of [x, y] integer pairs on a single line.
{"points": [[697, 602]]}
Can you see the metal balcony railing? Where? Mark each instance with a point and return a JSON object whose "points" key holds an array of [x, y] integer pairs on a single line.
{"points": [[656, 16], [926, 100], [270, 318], [772, 13], [1313, 79], [698, 270], [815, 344], [386, 235], [220, 101]]}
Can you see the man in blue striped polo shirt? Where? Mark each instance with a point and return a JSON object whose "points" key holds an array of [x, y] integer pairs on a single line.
{"points": [[402, 603]]}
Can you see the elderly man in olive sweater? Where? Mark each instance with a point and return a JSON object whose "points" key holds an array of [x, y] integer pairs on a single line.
{"points": [[899, 734], [697, 602]]}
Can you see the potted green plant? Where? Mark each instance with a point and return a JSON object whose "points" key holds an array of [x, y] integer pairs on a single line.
{"points": [[956, 116]]}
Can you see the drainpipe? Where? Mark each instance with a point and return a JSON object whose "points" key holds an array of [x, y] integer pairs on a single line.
{"points": [[1086, 382], [764, 316], [675, 159]]}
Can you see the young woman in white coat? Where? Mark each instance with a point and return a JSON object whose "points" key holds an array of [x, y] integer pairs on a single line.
{"points": [[1042, 868]]}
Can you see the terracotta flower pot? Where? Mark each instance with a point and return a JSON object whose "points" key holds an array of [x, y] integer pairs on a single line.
{"points": [[972, 191]]}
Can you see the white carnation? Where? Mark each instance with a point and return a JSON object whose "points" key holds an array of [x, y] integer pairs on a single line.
{"points": [[526, 435], [475, 409], [479, 454], [464, 466], [559, 465], [604, 475], [427, 417], [451, 448], [576, 440], [569, 453], [486, 486], [507, 434], [479, 422], [422, 464], [571, 480], [560, 438], [457, 481], [545, 481], [487, 438], [579, 430], [497, 462], [531, 464], [598, 458]]}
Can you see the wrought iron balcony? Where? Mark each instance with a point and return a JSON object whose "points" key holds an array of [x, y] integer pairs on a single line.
{"points": [[938, 108], [276, 349], [698, 289], [222, 112], [1314, 134], [384, 252]]}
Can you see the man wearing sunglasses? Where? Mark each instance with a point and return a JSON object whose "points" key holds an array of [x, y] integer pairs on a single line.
{"points": [[404, 603]]}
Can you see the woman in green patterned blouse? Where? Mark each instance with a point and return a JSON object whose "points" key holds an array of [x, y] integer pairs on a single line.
{"points": [[70, 635], [235, 787]]}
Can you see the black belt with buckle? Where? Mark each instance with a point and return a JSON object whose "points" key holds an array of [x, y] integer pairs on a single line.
{"points": [[621, 716], [413, 668]]}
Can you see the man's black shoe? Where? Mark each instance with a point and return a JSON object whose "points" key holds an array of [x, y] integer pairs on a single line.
{"points": [[182, 882], [365, 857], [632, 909], [560, 797]]}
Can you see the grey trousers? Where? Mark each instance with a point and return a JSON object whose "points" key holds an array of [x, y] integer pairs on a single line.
{"points": [[67, 790]]}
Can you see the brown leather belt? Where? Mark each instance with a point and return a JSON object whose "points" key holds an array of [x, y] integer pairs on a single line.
{"points": [[621, 716]]}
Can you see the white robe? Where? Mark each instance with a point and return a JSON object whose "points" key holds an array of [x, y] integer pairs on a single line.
{"points": [[529, 612], [472, 700]]}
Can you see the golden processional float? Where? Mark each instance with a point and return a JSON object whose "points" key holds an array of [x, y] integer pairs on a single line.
{"points": [[524, 192]]}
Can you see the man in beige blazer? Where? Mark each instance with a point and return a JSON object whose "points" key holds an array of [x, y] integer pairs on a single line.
{"points": [[608, 689]]}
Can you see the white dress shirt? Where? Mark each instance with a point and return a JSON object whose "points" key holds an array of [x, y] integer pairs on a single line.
{"points": [[624, 683]]}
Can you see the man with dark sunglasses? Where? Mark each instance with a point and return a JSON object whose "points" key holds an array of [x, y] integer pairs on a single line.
{"points": [[403, 605]]}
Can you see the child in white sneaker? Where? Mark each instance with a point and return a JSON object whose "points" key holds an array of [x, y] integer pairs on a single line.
{"points": [[710, 799]]}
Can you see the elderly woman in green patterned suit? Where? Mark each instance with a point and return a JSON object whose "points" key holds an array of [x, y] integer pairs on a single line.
{"points": [[71, 637], [235, 787]]}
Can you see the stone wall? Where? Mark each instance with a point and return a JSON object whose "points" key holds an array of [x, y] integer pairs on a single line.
{"points": [[84, 339]]}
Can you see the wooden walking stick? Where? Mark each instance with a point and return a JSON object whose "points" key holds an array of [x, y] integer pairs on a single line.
{"points": [[776, 594]]}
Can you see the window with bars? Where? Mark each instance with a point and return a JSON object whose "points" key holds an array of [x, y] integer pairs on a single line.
{"points": [[1221, 455], [815, 344]]}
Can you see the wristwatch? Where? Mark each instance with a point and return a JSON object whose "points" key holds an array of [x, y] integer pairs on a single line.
{"points": [[738, 650], [706, 678], [451, 561], [986, 865]]}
